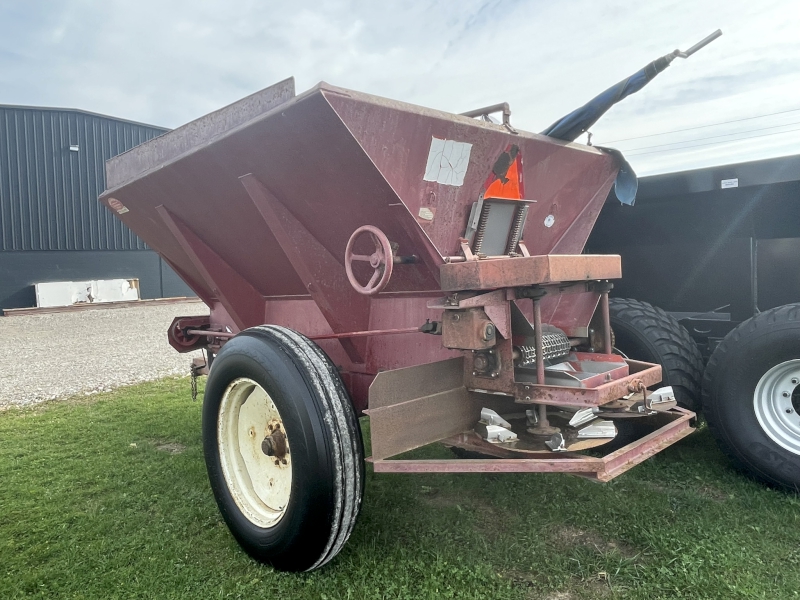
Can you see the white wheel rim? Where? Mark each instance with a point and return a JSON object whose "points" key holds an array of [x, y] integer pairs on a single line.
{"points": [[260, 484], [776, 404]]}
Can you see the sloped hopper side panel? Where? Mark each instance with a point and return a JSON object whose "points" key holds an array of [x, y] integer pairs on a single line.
{"points": [[338, 160], [569, 182], [307, 158]]}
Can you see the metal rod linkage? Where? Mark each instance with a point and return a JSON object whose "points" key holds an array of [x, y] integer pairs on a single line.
{"points": [[326, 336], [608, 348], [537, 337]]}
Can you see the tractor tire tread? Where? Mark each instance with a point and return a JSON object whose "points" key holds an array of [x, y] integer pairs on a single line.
{"points": [[674, 344]]}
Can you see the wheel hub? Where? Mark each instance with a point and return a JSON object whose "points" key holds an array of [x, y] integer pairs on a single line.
{"points": [[777, 404], [275, 444]]}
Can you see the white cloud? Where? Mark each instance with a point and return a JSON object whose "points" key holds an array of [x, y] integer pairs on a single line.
{"points": [[169, 62]]}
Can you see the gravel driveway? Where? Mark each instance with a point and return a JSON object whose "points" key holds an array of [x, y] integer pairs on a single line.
{"points": [[51, 356]]}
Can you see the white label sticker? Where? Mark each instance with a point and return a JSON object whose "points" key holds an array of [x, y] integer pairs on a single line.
{"points": [[729, 183], [447, 162], [426, 214], [116, 205]]}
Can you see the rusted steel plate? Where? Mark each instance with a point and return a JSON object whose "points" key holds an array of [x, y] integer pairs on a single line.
{"points": [[401, 427], [528, 270], [416, 406], [410, 383], [399, 138], [490, 465], [677, 425], [582, 397], [166, 148]]}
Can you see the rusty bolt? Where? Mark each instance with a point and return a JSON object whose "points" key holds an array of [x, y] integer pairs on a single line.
{"points": [[283, 461], [481, 362], [269, 426], [267, 447], [277, 463], [488, 332]]}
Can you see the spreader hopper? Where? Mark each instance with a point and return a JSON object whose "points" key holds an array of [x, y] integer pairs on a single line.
{"points": [[362, 255]]}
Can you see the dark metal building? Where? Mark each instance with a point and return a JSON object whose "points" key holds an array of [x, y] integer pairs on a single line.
{"points": [[52, 228]]}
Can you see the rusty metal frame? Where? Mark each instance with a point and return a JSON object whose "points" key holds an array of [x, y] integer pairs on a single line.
{"points": [[603, 469], [528, 270], [641, 373]]}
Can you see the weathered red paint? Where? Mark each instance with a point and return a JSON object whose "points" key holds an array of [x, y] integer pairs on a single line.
{"points": [[258, 207], [256, 215]]}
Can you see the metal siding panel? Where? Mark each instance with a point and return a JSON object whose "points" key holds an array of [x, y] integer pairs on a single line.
{"points": [[5, 184], [48, 194]]}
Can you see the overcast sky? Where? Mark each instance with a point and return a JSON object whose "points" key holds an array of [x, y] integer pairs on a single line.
{"points": [[168, 62]]}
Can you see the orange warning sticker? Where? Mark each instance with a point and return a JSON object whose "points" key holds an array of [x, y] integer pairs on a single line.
{"points": [[505, 180]]}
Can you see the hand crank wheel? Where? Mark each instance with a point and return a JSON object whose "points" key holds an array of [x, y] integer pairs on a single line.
{"points": [[381, 260]]}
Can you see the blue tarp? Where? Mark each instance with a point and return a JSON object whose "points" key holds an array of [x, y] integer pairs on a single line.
{"points": [[580, 120]]}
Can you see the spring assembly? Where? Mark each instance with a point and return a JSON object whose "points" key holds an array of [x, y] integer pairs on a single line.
{"points": [[516, 228], [481, 231], [555, 344]]}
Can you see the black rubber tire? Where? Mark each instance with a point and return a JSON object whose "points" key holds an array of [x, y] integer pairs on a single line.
{"points": [[326, 447], [645, 332], [729, 384]]}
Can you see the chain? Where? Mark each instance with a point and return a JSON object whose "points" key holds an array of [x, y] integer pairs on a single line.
{"points": [[193, 369]]}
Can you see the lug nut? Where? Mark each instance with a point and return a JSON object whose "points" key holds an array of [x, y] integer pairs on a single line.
{"points": [[795, 380], [786, 394]]}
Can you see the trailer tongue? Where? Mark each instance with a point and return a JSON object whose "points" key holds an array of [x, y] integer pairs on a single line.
{"points": [[361, 255]]}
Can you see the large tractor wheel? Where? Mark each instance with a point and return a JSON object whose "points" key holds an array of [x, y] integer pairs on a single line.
{"points": [[645, 332], [283, 448], [751, 396]]}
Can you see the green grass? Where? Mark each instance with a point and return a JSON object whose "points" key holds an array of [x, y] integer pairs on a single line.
{"points": [[93, 504]]}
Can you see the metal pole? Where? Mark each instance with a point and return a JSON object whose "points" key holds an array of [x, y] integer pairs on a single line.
{"points": [[607, 347], [537, 337]]}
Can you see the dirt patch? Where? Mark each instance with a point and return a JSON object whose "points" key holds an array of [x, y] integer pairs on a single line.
{"points": [[171, 447], [708, 491], [480, 510], [437, 499], [568, 536], [598, 588]]}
